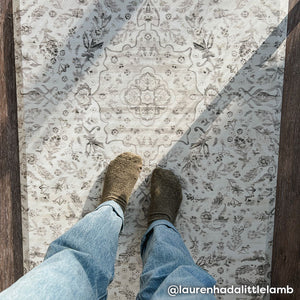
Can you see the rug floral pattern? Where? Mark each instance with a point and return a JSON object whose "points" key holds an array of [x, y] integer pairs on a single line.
{"points": [[192, 86]]}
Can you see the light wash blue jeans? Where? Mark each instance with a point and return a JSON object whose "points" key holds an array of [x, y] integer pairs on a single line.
{"points": [[80, 263]]}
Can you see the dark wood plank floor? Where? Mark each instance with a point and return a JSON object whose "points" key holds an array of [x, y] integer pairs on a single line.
{"points": [[286, 243], [11, 254]]}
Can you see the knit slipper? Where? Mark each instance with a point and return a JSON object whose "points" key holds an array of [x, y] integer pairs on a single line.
{"points": [[120, 178], [166, 196]]}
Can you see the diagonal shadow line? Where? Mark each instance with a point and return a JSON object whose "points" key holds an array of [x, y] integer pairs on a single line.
{"points": [[37, 92], [219, 103], [233, 91]]}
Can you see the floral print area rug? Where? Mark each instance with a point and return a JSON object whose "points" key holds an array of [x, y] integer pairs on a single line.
{"points": [[192, 86]]}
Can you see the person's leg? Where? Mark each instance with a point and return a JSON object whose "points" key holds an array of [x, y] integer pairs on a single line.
{"points": [[80, 263], [167, 263]]}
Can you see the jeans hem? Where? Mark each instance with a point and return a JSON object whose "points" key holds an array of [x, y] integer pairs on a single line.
{"points": [[115, 206], [150, 228]]}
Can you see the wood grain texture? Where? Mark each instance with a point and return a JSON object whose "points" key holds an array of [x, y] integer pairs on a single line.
{"points": [[286, 244], [11, 254]]}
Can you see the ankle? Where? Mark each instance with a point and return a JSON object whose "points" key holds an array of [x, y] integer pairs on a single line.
{"points": [[159, 216]]}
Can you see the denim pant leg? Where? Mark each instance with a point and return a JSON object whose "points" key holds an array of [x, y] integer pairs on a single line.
{"points": [[167, 262], [79, 264]]}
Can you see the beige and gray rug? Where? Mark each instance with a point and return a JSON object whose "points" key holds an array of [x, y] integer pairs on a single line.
{"points": [[192, 86]]}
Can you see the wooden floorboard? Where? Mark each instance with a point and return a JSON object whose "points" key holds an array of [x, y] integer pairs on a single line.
{"points": [[11, 254], [286, 242]]}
